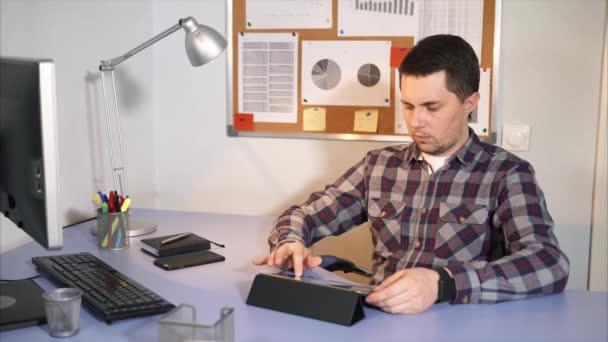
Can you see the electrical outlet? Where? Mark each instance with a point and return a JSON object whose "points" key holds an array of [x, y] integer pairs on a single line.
{"points": [[516, 137]]}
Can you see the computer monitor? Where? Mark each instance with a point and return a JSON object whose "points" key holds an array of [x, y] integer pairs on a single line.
{"points": [[29, 176]]}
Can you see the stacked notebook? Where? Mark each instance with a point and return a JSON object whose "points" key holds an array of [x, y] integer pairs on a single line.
{"points": [[190, 244]]}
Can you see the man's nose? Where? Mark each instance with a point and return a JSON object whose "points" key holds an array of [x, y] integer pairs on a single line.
{"points": [[417, 118]]}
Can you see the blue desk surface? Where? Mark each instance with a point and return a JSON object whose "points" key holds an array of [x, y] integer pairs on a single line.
{"points": [[570, 316]]}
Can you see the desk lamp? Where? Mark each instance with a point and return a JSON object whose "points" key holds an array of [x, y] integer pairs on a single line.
{"points": [[203, 44]]}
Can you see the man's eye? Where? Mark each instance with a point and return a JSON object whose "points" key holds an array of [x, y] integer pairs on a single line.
{"points": [[433, 109]]}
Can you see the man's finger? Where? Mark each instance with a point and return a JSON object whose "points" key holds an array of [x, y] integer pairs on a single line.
{"points": [[269, 259], [297, 257], [281, 254], [260, 261], [397, 287], [390, 280], [391, 300]]}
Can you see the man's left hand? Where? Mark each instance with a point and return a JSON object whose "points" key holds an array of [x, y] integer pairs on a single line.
{"points": [[407, 291]]}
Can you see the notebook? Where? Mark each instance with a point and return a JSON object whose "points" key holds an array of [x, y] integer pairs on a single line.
{"points": [[190, 244]]}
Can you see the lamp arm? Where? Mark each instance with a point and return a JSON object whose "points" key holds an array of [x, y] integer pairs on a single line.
{"points": [[109, 64]]}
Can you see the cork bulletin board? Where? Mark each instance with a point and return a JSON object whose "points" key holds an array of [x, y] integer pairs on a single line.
{"points": [[313, 106]]}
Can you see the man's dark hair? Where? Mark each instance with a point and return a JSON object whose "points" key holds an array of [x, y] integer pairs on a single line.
{"points": [[444, 52]]}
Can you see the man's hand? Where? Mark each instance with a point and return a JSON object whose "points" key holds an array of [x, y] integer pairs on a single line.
{"points": [[407, 291], [288, 255]]}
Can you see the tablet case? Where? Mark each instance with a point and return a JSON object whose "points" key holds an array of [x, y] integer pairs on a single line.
{"points": [[322, 302], [21, 304], [191, 243]]}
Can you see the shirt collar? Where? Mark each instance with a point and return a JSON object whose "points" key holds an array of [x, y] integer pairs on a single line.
{"points": [[466, 155]]}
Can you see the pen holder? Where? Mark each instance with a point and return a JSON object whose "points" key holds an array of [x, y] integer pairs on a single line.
{"points": [[112, 230], [180, 325]]}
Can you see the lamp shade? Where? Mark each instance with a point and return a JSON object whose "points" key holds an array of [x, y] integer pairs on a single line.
{"points": [[203, 43]]}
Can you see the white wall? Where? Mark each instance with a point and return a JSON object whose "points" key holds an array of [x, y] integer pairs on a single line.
{"points": [[199, 167], [598, 276], [551, 60], [183, 159], [77, 35]]}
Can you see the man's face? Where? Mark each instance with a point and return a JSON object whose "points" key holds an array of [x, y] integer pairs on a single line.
{"points": [[436, 119]]}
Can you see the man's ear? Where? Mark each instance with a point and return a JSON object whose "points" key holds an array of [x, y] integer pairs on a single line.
{"points": [[470, 103]]}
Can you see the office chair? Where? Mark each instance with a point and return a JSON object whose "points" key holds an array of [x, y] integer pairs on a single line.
{"points": [[333, 263]]}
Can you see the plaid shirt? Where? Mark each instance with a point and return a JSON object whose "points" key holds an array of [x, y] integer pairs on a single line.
{"points": [[442, 220]]}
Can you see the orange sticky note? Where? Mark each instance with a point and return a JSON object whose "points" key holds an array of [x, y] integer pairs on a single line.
{"points": [[243, 121], [397, 55]]}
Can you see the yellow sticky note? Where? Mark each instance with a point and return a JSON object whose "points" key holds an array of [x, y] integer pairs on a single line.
{"points": [[366, 120], [314, 119]]}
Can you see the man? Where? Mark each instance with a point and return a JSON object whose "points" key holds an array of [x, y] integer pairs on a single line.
{"points": [[442, 209]]}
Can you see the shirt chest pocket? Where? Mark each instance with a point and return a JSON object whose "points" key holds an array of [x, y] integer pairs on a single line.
{"points": [[461, 230], [386, 217]]}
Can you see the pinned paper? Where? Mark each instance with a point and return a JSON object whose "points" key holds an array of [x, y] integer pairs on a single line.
{"points": [[243, 121], [397, 55], [366, 121], [346, 73], [314, 119]]}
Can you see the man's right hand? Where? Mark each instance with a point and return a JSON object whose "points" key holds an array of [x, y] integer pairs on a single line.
{"points": [[288, 255]]}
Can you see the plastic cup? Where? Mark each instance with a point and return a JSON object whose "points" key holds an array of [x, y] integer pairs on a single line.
{"points": [[62, 308]]}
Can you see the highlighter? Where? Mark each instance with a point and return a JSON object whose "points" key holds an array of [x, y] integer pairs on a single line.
{"points": [[125, 205]]}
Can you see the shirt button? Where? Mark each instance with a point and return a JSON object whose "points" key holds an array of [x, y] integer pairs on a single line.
{"points": [[423, 210], [382, 213], [465, 300], [417, 244], [461, 219]]}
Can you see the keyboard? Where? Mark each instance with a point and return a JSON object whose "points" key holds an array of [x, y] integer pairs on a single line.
{"points": [[107, 293]]}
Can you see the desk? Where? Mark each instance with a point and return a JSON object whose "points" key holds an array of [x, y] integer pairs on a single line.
{"points": [[570, 316]]}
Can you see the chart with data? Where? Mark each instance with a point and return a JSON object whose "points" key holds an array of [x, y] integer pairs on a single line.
{"points": [[402, 7], [346, 73], [367, 18]]}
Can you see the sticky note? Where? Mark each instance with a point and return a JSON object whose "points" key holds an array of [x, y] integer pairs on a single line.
{"points": [[397, 55], [243, 121], [314, 119], [366, 120]]}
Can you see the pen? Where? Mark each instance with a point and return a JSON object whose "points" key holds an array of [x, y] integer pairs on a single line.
{"points": [[174, 238], [97, 199], [125, 205], [111, 203], [117, 202]]}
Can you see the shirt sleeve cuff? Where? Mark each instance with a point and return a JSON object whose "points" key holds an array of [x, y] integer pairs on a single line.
{"points": [[467, 284], [286, 230]]}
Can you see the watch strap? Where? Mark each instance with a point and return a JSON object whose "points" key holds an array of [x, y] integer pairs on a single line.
{"points": [[446, 286]]}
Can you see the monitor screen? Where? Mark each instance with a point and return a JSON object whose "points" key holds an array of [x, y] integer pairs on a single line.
{"points": [[29, 177]]}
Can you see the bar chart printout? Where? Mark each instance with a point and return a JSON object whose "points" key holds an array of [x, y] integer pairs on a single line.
{"points": [[402, 7], [396, 18]]}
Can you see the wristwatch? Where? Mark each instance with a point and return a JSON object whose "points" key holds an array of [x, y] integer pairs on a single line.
{"points": [[446, 286]]}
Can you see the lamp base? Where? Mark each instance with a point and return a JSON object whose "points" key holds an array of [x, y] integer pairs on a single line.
{"points": [[137, 227]]}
